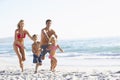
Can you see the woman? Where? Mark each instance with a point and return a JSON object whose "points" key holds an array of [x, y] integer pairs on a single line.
{"points": [[18, 45]]}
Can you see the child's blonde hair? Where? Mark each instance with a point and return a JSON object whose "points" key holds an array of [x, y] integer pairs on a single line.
{"points": [[52, 37]]}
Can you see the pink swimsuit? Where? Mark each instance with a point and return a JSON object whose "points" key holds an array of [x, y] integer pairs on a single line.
{"points": [[53, 48], [50, 56]]}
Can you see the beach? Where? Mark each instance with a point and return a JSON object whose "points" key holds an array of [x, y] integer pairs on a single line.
{"points": [[91, 59], [87, 32], [69, 68]]}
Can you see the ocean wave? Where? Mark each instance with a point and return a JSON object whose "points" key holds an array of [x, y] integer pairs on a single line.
{"points": [[73, 48]]}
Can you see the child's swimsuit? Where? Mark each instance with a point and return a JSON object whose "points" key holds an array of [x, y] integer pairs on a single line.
{"points": [[50, 56], [53, 48], [36, 59]]}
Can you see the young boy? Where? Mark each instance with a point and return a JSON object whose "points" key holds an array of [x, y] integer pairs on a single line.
{"points": [[36, 52]]}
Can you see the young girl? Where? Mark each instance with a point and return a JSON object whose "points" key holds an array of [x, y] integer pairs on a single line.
{"points": [[53, 47], [36, 52]]}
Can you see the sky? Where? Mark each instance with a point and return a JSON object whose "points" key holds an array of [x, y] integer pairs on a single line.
{"points": [[71, 19]]}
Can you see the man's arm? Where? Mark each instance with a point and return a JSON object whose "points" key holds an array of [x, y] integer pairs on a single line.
{"points": [[54, 33]]}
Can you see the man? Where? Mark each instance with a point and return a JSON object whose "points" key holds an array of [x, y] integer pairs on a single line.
{"points": [[46, 33]]}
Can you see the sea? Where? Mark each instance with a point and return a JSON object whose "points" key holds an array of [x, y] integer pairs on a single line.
{"points": [[86, 48]]}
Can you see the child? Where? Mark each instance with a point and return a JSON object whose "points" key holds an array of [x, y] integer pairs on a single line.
{"points": [[53, 47], [36, 52]]}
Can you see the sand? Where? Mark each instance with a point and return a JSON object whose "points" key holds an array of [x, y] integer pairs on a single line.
{"points": [[9, 70]]}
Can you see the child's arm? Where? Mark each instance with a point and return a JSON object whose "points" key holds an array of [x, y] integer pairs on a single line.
{"points": [[39, 45], [60, 48], [33, 48]]}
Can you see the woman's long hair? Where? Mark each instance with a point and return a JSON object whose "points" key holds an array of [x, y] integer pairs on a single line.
{"points": [[18, 25]]}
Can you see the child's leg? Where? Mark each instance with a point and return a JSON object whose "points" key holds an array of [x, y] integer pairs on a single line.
{"points": [[36, 67], [55, 63], [39, 61], [52, 63]]}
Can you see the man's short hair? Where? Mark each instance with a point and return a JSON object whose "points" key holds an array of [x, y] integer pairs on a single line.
{"points": [[48, 20]]}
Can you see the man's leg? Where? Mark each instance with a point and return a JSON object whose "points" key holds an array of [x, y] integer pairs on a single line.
{"points": [[44, 52]]}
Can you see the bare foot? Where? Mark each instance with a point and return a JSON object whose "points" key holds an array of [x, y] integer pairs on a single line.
{"points": [[35, 72], [21, 66], [53, 70]]}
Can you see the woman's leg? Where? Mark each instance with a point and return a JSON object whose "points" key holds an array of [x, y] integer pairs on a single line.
{"points": [[16, 49], [22, 51]]}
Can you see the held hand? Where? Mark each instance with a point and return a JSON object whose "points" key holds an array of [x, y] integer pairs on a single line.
{"points": [[32, 39]]}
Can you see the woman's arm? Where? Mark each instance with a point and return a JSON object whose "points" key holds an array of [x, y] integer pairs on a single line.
{"points": [[28, 35]]}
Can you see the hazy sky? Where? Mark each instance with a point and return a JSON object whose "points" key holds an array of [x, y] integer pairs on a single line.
{"points": [[70, 18]]}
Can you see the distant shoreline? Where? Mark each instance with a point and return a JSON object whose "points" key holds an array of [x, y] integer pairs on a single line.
{"points": [[92, 38]]}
